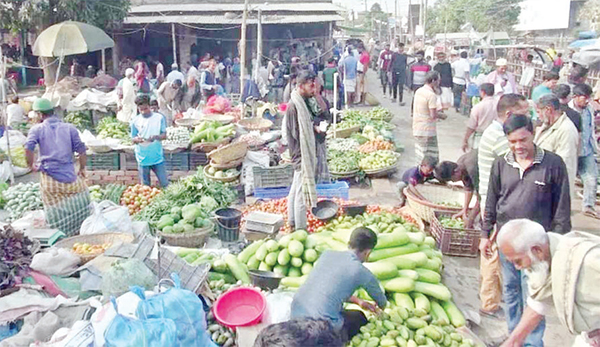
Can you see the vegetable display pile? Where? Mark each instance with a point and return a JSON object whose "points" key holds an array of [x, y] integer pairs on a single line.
{"points": [[253, 139], [450, 204], [81, 120], [292, 256], [113, 192], [220, 334], [222, 173], [456, 223], [342, 145], [87, 249], [21, 198], [183, 220], [380, 113], [96, 193], [111, 128], [3, 187], [378, 160], [378, 144], [137, 197], [17, 156], [347, 124], [212, 131], [210, 195], [342, 162], [15, 256], [177, 136]]}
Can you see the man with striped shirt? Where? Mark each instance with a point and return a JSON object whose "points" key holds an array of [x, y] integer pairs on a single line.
{"points": [[494, 144]]}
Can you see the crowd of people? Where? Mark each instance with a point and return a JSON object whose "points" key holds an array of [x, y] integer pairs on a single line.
{"points": [[521, 160]]}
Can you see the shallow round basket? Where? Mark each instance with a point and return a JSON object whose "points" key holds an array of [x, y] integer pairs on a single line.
{"points": [[221, 118], [434, 195], [349, 174], [173, 150], [222, 179], [195, 239], [259, 124], [229, 165], [95, 239], [128, 149], [187, 122], [382, 171], [231, 152], [99, 149], [344, 133], [207, 147]]}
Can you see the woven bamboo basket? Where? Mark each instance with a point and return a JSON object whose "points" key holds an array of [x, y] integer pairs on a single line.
{"points": [[259, 124], [94, 239], [207, 147], [221, 179], [195, 239], [187, 122], [431, 199], [228, 165], [229, 153]]}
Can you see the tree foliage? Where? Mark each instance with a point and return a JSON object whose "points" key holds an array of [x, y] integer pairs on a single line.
{"points": [[483, 15], [37, 15], [377, 14], [591, 13]]}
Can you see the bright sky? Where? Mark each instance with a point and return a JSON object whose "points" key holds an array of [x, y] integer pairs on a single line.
{"points": [[386, 5]]}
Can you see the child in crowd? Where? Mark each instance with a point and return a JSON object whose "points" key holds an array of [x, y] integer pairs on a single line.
{"points": [[416, 175]]}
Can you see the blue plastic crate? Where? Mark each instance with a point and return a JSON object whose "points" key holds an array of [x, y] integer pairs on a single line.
{"points": [[339, 189]]}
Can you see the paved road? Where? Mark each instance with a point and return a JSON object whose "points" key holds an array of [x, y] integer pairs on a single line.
{"points": [[461, 274]]}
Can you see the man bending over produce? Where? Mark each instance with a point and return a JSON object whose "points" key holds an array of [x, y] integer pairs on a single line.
{"points": [[148, 129], [465, 170], [562, 272], [416, 175], [335, 277], [65, 195], [300, 135]]}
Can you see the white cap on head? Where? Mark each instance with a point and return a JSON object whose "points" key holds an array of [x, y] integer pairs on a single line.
{"points": [[129, 72], [174, 66], [501, 62]]}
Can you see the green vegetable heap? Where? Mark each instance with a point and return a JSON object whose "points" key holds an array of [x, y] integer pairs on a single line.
{"points": [[111, 128], [212, 131], [452, 223], [82, 120], [379, 160]]}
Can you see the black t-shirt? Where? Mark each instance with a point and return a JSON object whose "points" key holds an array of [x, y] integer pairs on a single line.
{"points": [[445, 71], [573, 115]]}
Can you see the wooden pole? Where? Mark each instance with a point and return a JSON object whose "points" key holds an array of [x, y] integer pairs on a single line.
{"points": [[174, 39], [104, 60], [243, 52], [258, 43]]}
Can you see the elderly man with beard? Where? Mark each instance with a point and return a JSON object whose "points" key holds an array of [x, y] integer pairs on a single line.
{"points": [[562, 272], [528, 182]]}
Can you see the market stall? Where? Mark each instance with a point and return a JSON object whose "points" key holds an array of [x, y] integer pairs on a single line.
{"points": [[234, 265]]}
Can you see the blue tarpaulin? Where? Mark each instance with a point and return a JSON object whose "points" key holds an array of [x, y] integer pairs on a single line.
{"points": [[583, 43]]}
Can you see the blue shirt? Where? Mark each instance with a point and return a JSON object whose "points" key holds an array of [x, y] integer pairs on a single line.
{"points": [[587, 133], [330, 284], [58, 141], [149, 153], [350, 65]]}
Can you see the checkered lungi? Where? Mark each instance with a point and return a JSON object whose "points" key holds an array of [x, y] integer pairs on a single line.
{"points": [[426, 146], [67, 205]]}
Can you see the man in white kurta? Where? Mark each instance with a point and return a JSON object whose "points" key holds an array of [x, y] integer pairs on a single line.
{"points": [[128, 109], [563, 274]]}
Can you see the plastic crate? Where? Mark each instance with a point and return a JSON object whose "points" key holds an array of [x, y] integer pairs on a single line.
{"points": [[103, 161], [338, 189], [177, 161], [454, 241], [273, 177], [128, 161], [197, 159]]}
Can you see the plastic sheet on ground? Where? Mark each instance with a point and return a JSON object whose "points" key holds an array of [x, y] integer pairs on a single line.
{"points": [[93, 99]]}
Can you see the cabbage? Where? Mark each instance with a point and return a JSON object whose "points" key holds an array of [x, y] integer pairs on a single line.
{"points": [[208, 203], [124, 274]]}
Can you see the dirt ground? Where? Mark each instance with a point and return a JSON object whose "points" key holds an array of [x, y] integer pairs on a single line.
{"points": [[461, 275]]}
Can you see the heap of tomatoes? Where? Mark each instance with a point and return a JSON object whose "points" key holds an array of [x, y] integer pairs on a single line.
{"points": [[137, 197], [279, 206]]}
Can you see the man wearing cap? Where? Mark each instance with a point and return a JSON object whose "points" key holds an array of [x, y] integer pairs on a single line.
{"points": [[64, 192], [175, 74], [503, 81]]}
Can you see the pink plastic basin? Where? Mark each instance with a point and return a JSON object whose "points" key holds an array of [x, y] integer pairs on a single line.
{"points": [[240, 307]]}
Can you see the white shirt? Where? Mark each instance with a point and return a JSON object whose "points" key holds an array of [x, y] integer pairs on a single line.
{"points": [[16, 114], [175, 75], [461, 68]]}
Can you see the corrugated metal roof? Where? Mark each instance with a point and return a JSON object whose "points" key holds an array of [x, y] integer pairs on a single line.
{"points": [[204, 7], [199, 19]]}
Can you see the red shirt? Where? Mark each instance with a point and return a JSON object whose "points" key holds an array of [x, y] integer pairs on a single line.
{"points": [[386, 59], [364, 58]]}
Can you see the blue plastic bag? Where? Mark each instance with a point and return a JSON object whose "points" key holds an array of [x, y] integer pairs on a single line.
{"points": [[183, 307], [128, 332]]}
